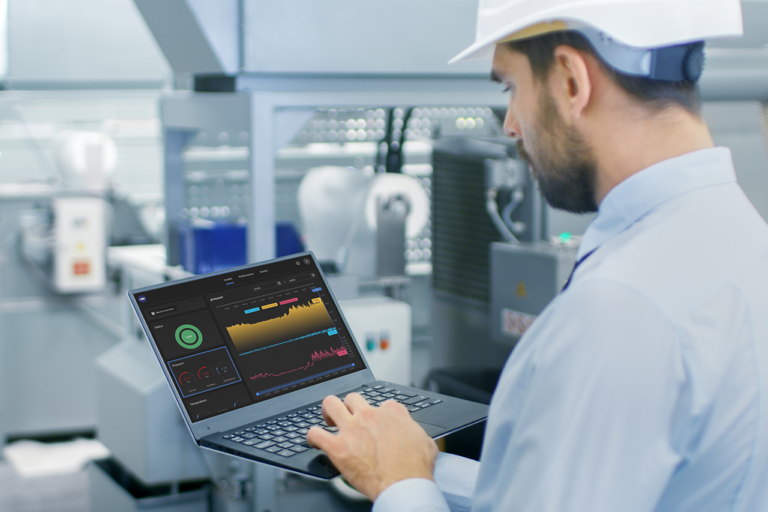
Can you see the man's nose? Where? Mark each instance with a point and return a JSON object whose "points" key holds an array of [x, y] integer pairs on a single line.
{"points": [[511, 126]]}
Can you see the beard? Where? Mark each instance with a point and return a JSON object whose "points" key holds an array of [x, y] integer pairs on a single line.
{"points": [[561, 162]]}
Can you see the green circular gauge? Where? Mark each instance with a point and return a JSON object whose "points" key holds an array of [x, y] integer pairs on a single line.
{"points": [[189, 336]]}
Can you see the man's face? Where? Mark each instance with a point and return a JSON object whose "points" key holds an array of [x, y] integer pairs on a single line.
{"points": [[560, 160]]}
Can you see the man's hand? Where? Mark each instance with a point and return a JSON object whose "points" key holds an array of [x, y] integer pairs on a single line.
{"points": [[375, 447]]}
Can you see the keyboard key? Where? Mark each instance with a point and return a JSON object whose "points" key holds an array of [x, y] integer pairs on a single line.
{"points": [[332, 429], [264, 445], [273, 449], [388, 395], [372, 393], [280, 439], [285, 424], [303, 424], [401, 398], [385, 390], [261, 431], [415, 400], [314, 421], [239, 433], [298, 448], [303, 431], [433, 402], [286, 444], [290, 429], [292, 415], [271, 422], [282, 419], [250, 429], [413, 409], [228, 436], [237, 439], [286, 453], [292, 435], [252, 442], [309, 415], [249, 435], [378, 386]]}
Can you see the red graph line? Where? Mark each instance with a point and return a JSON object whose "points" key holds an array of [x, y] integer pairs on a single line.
{"points": [[316, 356]]}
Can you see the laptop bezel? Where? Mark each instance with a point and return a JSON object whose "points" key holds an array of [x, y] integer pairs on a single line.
{"points": [[267, 408]]}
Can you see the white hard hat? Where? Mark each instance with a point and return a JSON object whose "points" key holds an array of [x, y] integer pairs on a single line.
{"points": [[623, 31]]}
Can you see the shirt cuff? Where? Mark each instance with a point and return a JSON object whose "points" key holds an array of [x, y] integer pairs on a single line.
{"points": [[456, 478], [412, 495]]}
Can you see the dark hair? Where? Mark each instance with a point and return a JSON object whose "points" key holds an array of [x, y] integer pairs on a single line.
{"points": [[656, 94]]}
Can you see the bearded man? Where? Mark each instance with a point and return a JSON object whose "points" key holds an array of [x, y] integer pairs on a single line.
{"points": [[644, 385]]}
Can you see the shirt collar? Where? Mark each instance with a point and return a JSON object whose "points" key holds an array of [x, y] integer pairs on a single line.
{"points": [[637, 195]]}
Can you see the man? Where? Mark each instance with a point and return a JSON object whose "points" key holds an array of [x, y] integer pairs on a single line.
{"points": [[644, 385]]}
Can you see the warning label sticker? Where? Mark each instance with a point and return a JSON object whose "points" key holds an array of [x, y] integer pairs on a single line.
{"points": [[515, 323]]}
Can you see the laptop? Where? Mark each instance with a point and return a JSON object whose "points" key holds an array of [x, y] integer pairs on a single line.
{"points": [[251, 352]]}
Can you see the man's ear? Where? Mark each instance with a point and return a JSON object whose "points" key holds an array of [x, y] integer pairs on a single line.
{"points": [[571, 81]]}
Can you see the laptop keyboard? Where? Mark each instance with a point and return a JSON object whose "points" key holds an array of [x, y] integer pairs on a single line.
{"points": [[287, 435]]}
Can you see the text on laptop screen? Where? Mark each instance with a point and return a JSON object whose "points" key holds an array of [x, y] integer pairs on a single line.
{"points": [[238, 338]]}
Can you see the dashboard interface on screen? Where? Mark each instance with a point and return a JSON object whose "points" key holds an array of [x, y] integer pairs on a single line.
{"points": [[238, 338]]}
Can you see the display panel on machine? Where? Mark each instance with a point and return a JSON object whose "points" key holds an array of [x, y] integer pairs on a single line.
{"points": [[235, 340]]}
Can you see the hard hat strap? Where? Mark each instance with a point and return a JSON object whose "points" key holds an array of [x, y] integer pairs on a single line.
{"points": [[671, 63], [678, 63]]}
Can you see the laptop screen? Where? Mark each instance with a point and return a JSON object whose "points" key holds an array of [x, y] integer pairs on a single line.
{"points": [[238, 338]]}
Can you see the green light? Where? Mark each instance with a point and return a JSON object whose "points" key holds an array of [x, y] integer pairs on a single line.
{"points": [[564, 237]]}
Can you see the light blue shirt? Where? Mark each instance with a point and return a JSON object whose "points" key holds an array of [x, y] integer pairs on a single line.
{"points": [[644, 386]]}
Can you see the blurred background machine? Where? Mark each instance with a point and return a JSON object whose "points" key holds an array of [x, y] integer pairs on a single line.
{"points": [[192, 136]]}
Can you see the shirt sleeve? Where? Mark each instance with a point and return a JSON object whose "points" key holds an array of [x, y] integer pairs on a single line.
{"points": [[412, 495], [455, 479], [584, 414]]}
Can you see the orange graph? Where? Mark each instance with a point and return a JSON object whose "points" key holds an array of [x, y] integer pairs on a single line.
{"points": [[297, 322]]}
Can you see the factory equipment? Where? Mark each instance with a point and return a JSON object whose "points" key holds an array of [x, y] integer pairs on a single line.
{"points": [[358, 221], [524, 279]]}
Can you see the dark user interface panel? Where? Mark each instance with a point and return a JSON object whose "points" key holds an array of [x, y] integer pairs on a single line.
{"points": [[235, 339]]}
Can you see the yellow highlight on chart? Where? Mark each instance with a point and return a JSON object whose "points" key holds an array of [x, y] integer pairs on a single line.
{"points": [[316, 300], [269, 306]]}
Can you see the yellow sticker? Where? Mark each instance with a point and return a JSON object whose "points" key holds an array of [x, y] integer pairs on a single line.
{"points": [[521, 291]]}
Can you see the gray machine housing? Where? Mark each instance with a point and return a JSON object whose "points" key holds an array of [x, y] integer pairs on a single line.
{"points": [[524, 279]]}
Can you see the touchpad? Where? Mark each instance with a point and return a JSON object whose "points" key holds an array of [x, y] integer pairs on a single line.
{"points": [[432, 430]]}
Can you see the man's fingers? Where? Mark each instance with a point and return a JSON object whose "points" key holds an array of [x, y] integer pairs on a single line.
{"points": [[319, 438], [334, 411], [355, 402]]}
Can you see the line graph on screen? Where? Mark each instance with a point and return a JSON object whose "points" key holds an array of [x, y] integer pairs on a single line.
{"points": [[313, 358]]}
